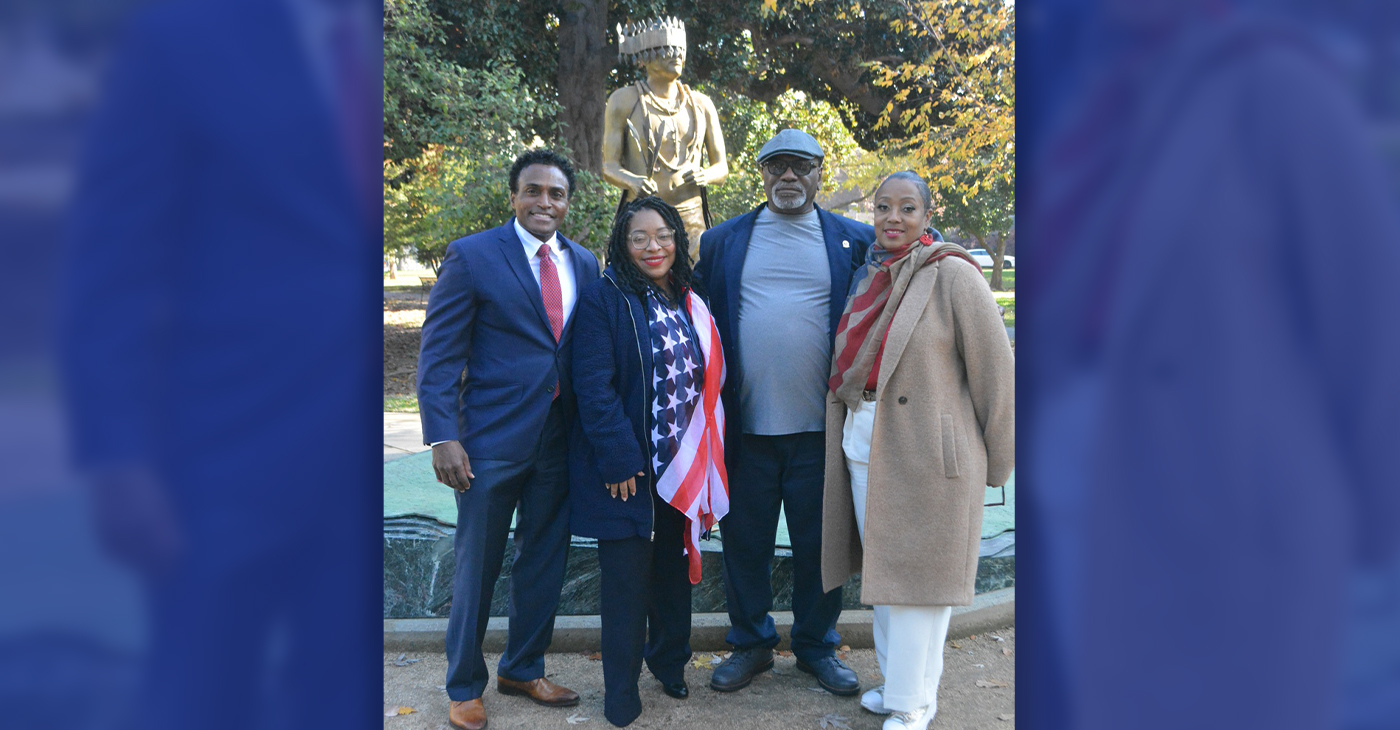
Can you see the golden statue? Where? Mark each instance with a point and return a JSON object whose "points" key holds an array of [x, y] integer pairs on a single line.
{"points": [[657, 131]]}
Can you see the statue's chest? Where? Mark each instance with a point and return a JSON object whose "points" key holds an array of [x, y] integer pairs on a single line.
{"points": [[670, 133]]}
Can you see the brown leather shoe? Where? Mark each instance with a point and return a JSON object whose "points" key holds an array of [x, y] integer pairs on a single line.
{"points": [[540, 690], [469, 715]]}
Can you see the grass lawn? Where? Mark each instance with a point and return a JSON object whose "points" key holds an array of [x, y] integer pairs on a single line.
{"points": [[400, 404], [1010, 304], [1005, 298], [1008, 278]]}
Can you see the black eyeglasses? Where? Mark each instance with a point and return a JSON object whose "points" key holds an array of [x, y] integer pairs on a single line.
{"points": [[799, 167]]}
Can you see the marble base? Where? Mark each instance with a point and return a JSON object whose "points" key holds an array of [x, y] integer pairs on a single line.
{"points": [[418, 567]]}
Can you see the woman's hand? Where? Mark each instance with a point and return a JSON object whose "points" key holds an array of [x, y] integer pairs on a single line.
{"points": [[626, 489]]}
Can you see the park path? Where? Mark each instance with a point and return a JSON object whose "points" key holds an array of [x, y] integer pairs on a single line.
{"points": [[978, 693]]}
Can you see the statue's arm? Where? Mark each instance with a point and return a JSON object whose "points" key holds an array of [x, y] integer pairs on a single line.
{"points": [[718, 170], [614, 126]]}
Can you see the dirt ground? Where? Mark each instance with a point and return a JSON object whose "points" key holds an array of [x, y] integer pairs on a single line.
{"points": [[403, 328], [778, 700]]}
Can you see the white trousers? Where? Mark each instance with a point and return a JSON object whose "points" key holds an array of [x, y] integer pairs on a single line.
{"points": [[913, 663]]}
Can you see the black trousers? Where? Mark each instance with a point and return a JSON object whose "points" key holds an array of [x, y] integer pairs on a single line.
{"points": [[645, 611], [540, 488], [776, 472]]}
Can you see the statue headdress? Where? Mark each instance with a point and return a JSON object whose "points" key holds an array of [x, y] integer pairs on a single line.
{"points": [[650, 39]]}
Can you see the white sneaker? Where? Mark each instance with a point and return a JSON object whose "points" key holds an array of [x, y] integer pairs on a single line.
{"points": [[912, 720], [874, 700]]}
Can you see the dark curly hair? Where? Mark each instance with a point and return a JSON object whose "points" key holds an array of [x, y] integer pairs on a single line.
{"points": [[541, 157], [620, 251]]}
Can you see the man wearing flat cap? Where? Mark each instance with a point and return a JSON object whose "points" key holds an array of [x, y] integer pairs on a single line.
{"points": [[777, 279]]}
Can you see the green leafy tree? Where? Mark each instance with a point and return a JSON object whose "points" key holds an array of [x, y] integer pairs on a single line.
{"points": [[451, 133], [883, 86], [961, 128], [749, 123], [984, 217], [454, 192], [831, 50]]}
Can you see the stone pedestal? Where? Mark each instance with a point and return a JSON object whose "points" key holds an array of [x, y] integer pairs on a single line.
{"points": [[418, 567]]}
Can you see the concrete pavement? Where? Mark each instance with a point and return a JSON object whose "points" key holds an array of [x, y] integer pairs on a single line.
{"points": [[403, 436]]}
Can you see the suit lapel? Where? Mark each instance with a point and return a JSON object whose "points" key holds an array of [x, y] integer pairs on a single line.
{"points": [[838, 257], [734, 256], [911, 308], [514, 251]]}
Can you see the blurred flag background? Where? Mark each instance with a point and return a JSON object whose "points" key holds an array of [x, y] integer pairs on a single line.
{"points": [[190, 357], [189, 364], [1209, 361]]}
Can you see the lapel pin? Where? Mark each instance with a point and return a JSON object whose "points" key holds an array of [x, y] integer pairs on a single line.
{"points": [[845, 244]]}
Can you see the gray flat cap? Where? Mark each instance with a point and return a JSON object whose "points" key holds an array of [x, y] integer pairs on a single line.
{"points": [[793, 142]]}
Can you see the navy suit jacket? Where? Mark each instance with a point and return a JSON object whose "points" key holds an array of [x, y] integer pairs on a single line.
{"points": [[721, 269], [610, 441], [486, 315]]}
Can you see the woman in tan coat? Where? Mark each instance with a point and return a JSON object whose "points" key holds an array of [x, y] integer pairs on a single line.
{"points": [[920, 418]]}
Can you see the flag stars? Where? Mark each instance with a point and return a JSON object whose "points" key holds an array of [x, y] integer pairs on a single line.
{"points": [[675, 380]]}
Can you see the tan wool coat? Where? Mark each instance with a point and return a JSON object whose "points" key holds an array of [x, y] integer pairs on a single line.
{"points": [[945, 427]]}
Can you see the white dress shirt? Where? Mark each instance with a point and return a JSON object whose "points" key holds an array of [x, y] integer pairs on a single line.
{"points": [[563, 263]]}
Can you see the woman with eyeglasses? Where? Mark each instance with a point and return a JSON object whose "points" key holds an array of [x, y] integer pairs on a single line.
{"points": [[920, 418], [647, 454]]}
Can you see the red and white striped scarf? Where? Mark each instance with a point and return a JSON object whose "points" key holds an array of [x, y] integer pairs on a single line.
{"points": [[695, 482], [875, 293]]}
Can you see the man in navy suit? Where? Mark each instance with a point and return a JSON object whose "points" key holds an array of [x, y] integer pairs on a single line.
{"points": [[777, 279], [501, 311]]}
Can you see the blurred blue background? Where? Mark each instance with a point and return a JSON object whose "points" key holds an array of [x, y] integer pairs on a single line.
{"points": [[1209, 361], [190, 364]]}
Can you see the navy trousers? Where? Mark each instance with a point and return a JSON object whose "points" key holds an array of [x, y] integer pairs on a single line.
{"points": [[772, 472], [540, 489], [645, 611]]}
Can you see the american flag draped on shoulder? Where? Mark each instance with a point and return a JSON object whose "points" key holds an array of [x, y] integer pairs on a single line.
{"points": [[690, 431]]}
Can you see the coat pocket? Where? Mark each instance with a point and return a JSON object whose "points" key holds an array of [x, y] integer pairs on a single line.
{"points": [[950, 446]]}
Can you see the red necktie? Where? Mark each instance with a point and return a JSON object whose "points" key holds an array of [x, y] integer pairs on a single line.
{"points": [[553, 296]]}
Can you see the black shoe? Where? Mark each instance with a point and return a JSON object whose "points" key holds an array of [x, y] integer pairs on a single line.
{"points": [[740, 668], [833, 675], [679, 690]]}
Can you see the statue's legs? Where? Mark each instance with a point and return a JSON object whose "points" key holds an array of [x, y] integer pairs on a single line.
{"points": [[693, 215]]}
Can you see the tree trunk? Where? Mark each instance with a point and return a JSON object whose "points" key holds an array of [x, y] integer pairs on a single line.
{"points": [[996, 261], [584, 60], [998, 253]]}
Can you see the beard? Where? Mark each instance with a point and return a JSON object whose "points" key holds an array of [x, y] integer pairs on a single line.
{"points": [[785, 203]]}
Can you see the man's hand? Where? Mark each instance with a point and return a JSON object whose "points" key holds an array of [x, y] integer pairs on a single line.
{"points": [[136, 521], [626, 489], [451, 465], [641, 187]]}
